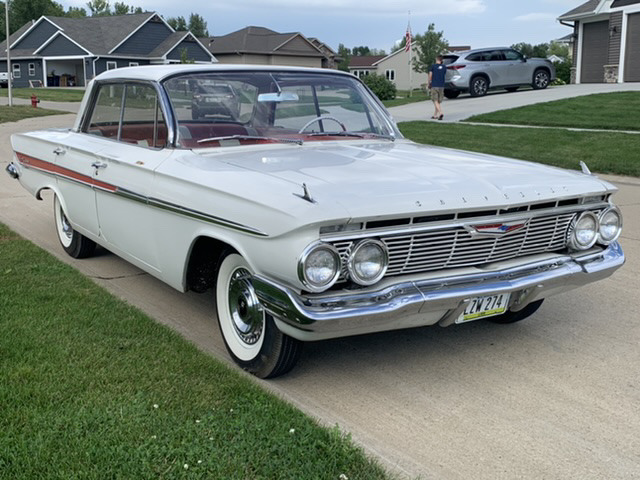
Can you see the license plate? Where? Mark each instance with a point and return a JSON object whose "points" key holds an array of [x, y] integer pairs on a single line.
{"points": [[482, 307]]}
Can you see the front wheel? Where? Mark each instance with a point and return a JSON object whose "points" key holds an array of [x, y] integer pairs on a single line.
{"points": [[74, 243], [451, 94], [513, 317], [540, 80], [249, 333], [478, 87]]}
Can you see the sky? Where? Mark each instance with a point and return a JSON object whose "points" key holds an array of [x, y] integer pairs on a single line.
{"points": [[382, 23]]}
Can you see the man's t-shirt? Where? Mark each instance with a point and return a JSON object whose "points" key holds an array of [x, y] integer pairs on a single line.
{"points": [[439, 71]]}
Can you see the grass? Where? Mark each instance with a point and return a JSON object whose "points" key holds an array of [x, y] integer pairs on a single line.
{"points": [[403, 98], [20, 112], [617, 153], [610, 111], [54, 94], [91, 388]]}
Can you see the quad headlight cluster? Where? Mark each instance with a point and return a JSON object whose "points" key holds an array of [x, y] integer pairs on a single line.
{"points": [[321, 265], [587, 229]]}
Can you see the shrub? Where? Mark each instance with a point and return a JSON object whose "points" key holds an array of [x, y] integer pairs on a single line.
{"points": [[563, 71], [383, 88]]}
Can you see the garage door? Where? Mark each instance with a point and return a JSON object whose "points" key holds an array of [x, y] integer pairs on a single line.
{"points": [[632, 60], [595, 49]]}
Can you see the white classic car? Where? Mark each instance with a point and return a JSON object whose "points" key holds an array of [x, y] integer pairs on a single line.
{"points": [[305, 210]]}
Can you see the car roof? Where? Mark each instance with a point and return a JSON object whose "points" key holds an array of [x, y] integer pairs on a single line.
{"points": [[160, 72], [467, 52]]}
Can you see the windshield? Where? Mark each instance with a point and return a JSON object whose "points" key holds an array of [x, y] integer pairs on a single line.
{"points": [[247, 107]]}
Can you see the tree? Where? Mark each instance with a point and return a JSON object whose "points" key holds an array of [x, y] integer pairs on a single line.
{"points": [[99, 8], [198, 26], [121, 8], [76, 12], [179, 24], [541, 50], [345, 54], [428, 46], [361, 51]]}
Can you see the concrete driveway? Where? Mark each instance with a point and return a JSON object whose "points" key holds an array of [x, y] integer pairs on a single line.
{"points": [[555, 397], [465, 106]]}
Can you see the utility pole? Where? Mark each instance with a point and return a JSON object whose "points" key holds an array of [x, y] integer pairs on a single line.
{"points": [[9, 72]]}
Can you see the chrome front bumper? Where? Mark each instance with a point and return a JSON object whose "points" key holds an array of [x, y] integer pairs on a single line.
{"points": [[427, 302]]}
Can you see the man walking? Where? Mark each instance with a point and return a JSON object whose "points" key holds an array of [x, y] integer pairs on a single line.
{"points": [[437, 74]]}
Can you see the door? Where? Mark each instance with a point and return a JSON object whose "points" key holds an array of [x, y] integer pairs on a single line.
{"points": [[497, 68], [595, 50], [125, 218], [632, 56], [517, 70]]}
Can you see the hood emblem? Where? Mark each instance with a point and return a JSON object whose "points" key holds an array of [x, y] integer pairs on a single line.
{"points": [[496, 229]]}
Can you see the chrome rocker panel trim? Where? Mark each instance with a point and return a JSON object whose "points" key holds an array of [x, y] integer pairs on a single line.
{"points": [[428, 302]]}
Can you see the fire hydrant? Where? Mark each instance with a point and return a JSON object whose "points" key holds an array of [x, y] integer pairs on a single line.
{"points": [[34, 101]]}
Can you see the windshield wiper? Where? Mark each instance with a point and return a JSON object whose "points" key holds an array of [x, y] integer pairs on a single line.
{"points": [[251, 137], [351, 134]]}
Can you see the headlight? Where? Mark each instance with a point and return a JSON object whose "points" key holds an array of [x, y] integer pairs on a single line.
{"points": [[368, 262], [584, 231], [610, 226], [319, 267]]}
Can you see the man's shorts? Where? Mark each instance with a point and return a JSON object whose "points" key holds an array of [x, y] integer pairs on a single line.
{"points": [[437, 94]]}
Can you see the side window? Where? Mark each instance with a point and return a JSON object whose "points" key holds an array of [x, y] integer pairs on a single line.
{"points": [[512, 55], [32, 69], [105, 118], [476, 57], [496, 56], [16, 70], [112, 65], [142, 121]]}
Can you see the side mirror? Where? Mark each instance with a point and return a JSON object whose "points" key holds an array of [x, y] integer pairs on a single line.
{"points": [[524, 58]]}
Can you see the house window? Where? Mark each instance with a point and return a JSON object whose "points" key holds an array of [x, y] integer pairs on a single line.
{"points": [[133, 64], [16, 70], [32, 69], [390, 74], [112, 65]]}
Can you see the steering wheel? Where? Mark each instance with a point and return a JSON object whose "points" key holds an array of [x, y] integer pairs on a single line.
{"points": [[322, 117]]}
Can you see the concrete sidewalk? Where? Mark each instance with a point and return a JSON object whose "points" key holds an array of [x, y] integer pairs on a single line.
{"points": [[465, 106]]}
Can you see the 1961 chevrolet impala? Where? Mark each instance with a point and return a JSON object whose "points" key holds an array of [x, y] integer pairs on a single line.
{"points": [[294, 197]]}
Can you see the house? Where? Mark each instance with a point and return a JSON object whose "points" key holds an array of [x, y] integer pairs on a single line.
{"points": [[607, 38], [61, 51], [262, 46], [394, 67]]}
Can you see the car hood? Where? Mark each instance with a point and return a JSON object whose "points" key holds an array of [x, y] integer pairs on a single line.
{"points": [[377, 179]]}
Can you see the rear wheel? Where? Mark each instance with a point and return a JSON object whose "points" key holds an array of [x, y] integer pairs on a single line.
{"points": [[74, 243], [451, 94], [513, 317], [250, 334], [540, 80], [478, 86]]}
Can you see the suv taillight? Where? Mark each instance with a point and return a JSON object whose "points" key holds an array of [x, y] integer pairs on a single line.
{"points": [[456, 67]]}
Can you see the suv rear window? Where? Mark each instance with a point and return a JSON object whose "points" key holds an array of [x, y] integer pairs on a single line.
{"points": [[449, 59]]}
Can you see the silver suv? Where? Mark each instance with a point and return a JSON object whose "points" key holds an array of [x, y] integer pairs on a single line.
{"points": [[477, 71]]}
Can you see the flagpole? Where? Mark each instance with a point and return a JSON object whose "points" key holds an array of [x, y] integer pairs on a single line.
{"points": [[409, 39]]}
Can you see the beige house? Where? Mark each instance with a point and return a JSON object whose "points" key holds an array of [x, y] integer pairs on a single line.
{"points": [[261, 46], [394, 67]]}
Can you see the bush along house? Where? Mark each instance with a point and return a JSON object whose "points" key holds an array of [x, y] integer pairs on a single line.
{"points": [[66, 52]]}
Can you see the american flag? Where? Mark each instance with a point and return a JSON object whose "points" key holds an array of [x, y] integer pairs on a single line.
{"points": [[407, 38]]}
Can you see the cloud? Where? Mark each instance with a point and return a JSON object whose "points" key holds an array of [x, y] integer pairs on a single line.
{"points": [[536, 17]]}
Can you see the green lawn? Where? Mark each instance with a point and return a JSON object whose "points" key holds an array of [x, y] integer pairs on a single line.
{"points": [[91, 388], [403, 98], [49, 94], [611, 111], [617, 153], [20, 112]]}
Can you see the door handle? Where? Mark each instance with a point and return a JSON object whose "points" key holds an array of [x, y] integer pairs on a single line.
{"points": [[97, 165], [59, 151]]}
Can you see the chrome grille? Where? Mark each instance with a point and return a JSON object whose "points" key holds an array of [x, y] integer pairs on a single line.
{"points": [[455, 247]]}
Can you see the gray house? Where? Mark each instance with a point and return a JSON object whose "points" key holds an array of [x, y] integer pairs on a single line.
{"points": [[60, 51], [606, 47]]}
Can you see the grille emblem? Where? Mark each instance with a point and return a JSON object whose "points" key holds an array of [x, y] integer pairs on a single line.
{"points": [[497, 229]]}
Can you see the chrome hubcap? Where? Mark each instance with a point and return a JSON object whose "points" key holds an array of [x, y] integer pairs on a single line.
{"points": [[481, 86], [245, 309], [541, 80], [64, 223]]}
